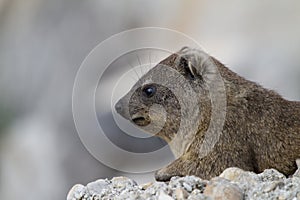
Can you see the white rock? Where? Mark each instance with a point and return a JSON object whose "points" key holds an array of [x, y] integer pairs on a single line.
{"points": [[76, 192], [164, 196]]}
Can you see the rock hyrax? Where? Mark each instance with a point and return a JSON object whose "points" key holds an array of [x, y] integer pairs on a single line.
{"points": [[260, 129]]}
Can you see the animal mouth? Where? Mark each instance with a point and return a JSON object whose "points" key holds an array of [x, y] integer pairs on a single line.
{"points": [[140, 120]]}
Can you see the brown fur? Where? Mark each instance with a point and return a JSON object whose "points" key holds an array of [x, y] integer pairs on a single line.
{"points": [[261, 129]]}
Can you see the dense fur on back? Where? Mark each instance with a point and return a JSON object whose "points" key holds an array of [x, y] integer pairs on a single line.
{"points": [[261, 129]]}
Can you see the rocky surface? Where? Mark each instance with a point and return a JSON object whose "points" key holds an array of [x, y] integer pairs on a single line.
{"points": [[232, 184]]}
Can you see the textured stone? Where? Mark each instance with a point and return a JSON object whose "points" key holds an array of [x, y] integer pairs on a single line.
{"points": [[232, 184], [220, 188], [164, 196], [76, 192], [232, 173], [180, 194], [297, 173]]}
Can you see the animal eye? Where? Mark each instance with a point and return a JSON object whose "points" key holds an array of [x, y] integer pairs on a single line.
{"points": [[149, 91]]}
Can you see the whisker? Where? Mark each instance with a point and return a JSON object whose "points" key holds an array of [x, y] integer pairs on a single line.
{"points": [[133, 78], [139, 63], [150, 60], [133, 69]]}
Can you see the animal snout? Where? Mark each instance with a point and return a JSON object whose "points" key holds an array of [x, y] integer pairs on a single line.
{"points": [[119, 107]]}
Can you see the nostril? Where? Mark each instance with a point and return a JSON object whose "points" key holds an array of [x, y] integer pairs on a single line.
{"points": [[118, 107]]}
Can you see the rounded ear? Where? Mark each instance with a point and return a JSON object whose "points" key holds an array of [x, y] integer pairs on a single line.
{"points": [[187, 68], [197, 63]]}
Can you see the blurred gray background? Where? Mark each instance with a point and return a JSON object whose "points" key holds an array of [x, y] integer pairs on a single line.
{"points": [[42, 44]]}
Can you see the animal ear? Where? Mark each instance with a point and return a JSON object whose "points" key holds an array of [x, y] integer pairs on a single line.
{"points": [[186, 66], [197, 64]]}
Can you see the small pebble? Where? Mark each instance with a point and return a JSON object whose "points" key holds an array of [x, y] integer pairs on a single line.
{"points": [[187, 187], [219, 188], [272, 186], [145, 186], [76, 192], [180, 194], [232, 173], [164, 196]]}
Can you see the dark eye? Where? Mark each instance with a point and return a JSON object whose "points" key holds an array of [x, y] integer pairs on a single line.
{"points": [[149, 90]]}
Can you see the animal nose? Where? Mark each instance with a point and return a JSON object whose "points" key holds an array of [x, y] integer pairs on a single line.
{"points": [[118, 107]]}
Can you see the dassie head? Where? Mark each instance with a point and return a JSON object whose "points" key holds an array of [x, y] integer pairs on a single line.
{"points": [[156, 103]]}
